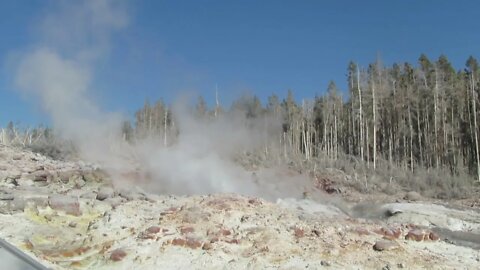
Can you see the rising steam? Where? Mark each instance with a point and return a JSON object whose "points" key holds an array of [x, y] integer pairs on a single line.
{"points": [[58, 72]]}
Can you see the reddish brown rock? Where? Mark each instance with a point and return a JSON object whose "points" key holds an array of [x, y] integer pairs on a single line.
{"points": [[186, 230], [389, 233], [153, 229], [392, 233], [178, 242], [298, 232], [225, 232], [362, 231], [232, 241], [169, 211], [385, 245], [417, 235], [193, 243], [118, 255], [433, 236]]}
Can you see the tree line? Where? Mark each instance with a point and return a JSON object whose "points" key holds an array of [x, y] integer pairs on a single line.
{"points": [[421, 115]]}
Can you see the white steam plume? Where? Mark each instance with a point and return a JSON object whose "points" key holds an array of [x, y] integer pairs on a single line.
{"points": [[58, 72]]}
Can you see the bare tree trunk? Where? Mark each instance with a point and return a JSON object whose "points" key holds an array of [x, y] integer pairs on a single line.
{"points": [[374, 108], [435, 109], [217, 103], [165, 127], [360, 112], [367, 145], [335, 138], [411, 138], [474, 107], [419, 134]]}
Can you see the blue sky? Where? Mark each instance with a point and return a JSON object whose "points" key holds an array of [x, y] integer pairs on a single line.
{"points": [[259, 47]]}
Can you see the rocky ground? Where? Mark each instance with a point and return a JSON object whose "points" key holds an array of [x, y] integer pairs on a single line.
{"points": [[67, 215]]}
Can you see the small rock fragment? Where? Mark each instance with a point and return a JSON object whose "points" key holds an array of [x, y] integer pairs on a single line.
{"points": [[118, 255], [6, 197], [17, 204], [153, 229], [225, 232], [193, 243], [78, 181], [298, 232], [65, 176], [178, 242], [417, 235], [389, 233], [68, 204], [325, 263], [186, 230], [130, 195], [96, 175], [39, 176], [433, 236], [207, 246], [89, 195], [104, 193], [412, 196], [114, 202], [362, 231], [385, 245], [232, 241]]}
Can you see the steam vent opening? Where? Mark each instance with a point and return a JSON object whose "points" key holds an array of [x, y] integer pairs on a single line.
{"points": [[233, 135]]}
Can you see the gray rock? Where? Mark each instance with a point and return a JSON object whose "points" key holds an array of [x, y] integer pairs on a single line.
{"points": [[325, 263], [39, 176], [89, 195], [130, 195], [6, 196], [114, 202], [387, 267], [68, 204], [78, 181], [65, 176], [384, 245], [96, 175], [104, 193], [17, 204], [25, 182], [412, 196], [4, 207]]}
